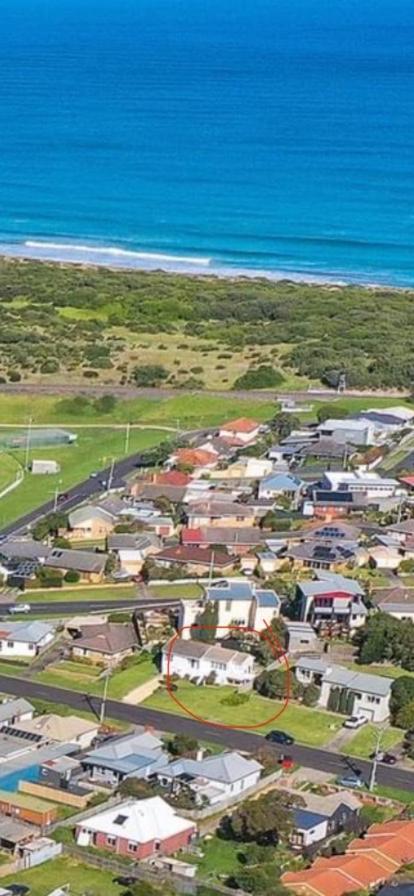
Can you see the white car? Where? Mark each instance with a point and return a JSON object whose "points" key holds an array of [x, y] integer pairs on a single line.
{"points": [[20, 608], [355, 722]]}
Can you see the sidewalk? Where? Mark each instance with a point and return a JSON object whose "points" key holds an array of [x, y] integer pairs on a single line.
{"points": [[139, 694]]}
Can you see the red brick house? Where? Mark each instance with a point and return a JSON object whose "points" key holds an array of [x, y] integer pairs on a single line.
{"points": [[137, 828]]}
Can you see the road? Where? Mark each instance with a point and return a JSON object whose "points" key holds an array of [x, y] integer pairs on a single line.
{"points": [[76, 607], [160, 393], [310, 757]]}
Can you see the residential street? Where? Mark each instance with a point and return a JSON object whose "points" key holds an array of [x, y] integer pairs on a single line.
{"points": [[174, 724]]}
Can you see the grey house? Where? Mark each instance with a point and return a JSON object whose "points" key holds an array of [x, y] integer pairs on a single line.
{"points": [[132, 756]]}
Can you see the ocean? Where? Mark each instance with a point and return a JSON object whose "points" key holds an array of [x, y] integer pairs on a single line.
{"points": [[210, 135]]}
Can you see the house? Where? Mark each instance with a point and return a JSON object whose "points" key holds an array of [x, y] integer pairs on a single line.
{"points": [[331, 600], [348, 431], [132, 549], [214, 778], [195, 560], [281, 484], [25, 639], [369, 485], [325, 816], [133, 755], [27, 809], [401, 532], [331, 505], [221, 513], [242, 603], [198, 660], [237, 540], [397, 888], [15, 710], [245, 468], [397, 602], [137, 829], [384, 556], [89, 564], [91, 523], [150, 491], [172, 477], [44, 467], [242, 431], [350, 692], [367, 863], [196, 459], [60, 729], [338, 532], [109, 643], [325, 556]]}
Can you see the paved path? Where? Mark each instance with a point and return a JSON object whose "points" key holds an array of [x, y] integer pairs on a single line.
{"points": [[332, 763], [158, 393], [139, 694]]}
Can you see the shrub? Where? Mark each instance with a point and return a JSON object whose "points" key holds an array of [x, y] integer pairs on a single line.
{"points": [[51, 366], [72, 575], [235, 699], [14, 376], [149, 374]]}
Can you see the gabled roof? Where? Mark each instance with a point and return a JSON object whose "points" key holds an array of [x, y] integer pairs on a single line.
{"points": [[281, 482], [225, 768], [26, 632], [241, 424], [377, 685], [193, 554], [90, 512], [81, 561], [330, 585], [230, 535], [199, 650], [110, 638], [195, 457], [172, 477], [139, 821], [304, 820], [9, 709]]}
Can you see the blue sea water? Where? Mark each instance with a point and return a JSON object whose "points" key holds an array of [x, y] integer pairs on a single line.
{"points": [[262, 135]]}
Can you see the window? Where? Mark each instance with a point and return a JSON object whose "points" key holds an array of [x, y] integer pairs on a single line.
{"points": [[132, 847], [10, 643], [228, 606], [111, 841], [194, 664]]}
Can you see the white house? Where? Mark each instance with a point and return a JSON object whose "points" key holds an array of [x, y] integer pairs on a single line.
{"points": [[25, 639], [356, 432], [309, 827], [214, 778], [358, 693], [277, 484], [198, 660], [370, 485], [243, 430], [238, 603]]}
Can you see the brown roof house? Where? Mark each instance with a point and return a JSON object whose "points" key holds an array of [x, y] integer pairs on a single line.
{"points": [[91, 523], [195, 560], [108, 644], [89, 564]]}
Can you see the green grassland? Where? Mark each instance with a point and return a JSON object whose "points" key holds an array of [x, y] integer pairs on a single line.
{"points": [[85, 678], [310, 726], [80, 594], [80, 877]]}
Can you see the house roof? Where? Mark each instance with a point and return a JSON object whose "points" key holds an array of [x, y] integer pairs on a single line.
{"points": [[233, 590], [172, 477], [139, 821], [133, 541], [26, 632], [81, 561], [195, 457], [322, 552], [378, 685], [225, 768], [199, 650], [90, 512], [242, 425], [9, 709], [193, 554], [404, 528], [266, 597], [212, 508], [230, 535], [151, 491], [347, 424], [329, 531], [110, 638], [281, 482], [128, 754], [26, 549], [60, 728], [304, 819], [328, 585]]}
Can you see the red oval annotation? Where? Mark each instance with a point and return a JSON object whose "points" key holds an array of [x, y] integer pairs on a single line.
{"points": [[278, 652]]}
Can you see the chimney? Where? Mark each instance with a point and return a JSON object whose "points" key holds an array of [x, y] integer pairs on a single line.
{"points": [[199, 754]]}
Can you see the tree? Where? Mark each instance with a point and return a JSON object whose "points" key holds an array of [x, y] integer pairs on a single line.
{"points": [[260, 880], [183, 745], [106, 404], [149, 374], [331, 412], [136, 787], [311, 694], [405, 716], [264, 821], [333, 699], [276, 684], [50, 525], [72, 576], [402, 693], [283, 424], [61, 542], [272, 643], [205, 626], [262, 377]]}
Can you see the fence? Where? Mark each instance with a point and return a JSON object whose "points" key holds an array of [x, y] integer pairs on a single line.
{"points": [[263, 784]]}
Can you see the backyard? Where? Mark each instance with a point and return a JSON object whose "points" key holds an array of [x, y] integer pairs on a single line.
{"points": [[80, 878], [311, 726]]}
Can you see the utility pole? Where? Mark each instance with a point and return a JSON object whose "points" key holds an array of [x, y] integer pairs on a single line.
{"points": [[28, 441], [104, 698], [379, 734], [400, 507], [127, 435], [111, 476], [211, 570]]}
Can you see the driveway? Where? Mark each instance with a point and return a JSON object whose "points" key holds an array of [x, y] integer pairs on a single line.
{"points": [[139, 694]]}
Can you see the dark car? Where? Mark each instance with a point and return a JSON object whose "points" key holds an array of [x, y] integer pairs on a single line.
{"points": [[125, 881], [386, 758], [280, 737], [18, 889]]}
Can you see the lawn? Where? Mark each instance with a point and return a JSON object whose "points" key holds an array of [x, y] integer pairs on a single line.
{"points": [[9, 468], [384, 670], [84, 678], [81, 879], [310, 726], [93, 450], [220, 857], [364, 741], [353, 405], [188, 591], [79, 594]]}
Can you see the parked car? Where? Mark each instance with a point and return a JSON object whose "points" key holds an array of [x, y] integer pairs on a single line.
{"points": [[280, 737], [387, 758], [355, 722], [350, 781], [20, 608], [18, 889]]}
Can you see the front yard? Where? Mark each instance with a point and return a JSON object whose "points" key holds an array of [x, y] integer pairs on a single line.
{"points": [[364, 741], [310, 726], [85, 678]]}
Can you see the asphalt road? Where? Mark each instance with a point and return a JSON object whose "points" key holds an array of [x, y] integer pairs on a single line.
{"points": [[311, 757], [130, 391], [77, 607]]}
